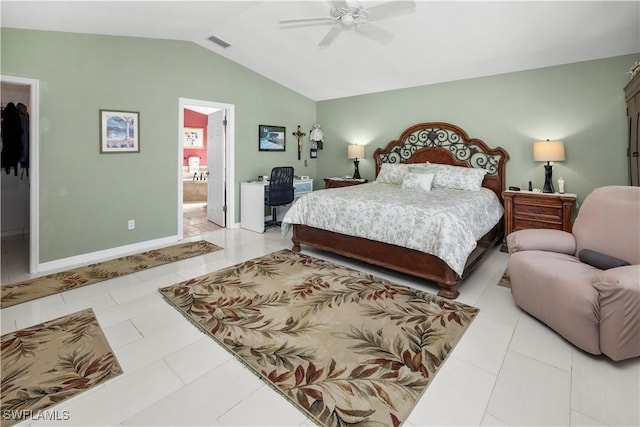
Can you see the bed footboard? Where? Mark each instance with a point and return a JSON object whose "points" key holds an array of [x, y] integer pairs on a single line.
{"points": [[396, 258]]}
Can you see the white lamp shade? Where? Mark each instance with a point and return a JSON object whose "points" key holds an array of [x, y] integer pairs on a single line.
{"points": [[548, 151], [355, 151]]}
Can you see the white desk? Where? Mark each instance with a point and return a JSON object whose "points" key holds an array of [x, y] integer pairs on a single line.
{"points": [[252, 202]]}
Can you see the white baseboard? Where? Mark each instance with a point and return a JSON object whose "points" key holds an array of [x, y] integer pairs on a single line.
{"points": [[92, 257]]}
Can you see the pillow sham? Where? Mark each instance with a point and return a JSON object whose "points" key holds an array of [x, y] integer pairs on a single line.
{"points": [[392, 173], [431, 168], [457, 177], [417, 181]]}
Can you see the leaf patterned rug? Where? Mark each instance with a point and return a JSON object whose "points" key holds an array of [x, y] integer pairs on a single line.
{"points": [[343, 346], [505, 280], [87, 275], [48, 363]]}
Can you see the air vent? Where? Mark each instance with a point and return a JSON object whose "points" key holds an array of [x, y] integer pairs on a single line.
{"points": [[219, 42]]}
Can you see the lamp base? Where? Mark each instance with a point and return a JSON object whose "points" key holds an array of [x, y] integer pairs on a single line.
{"points": [[548, 183], [356, 173]]}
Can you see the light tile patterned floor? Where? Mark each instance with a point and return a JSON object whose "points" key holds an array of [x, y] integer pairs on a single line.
{"points": [[194, 220], [508, 368]]}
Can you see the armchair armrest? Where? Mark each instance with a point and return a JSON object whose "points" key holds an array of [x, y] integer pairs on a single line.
{"points": [[619, 290], [542, 240]]}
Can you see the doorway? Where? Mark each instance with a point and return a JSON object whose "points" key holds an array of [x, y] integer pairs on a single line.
{"points": [[205, 166], [24, 187]]}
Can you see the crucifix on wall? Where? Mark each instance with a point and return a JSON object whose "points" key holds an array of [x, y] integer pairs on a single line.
{"points": [[299, 135]]}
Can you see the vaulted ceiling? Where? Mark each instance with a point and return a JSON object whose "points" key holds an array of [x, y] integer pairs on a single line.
{"points": [[436, 41]]}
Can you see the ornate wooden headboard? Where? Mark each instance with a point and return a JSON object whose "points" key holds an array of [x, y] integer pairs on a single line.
{"points": [[439, 142]]}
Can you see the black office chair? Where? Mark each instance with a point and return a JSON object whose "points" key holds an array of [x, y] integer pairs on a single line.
{"points": [[279, 192]]}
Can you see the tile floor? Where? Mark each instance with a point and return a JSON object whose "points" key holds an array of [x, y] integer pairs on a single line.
{"points": [[194, 220], [508, 369]]}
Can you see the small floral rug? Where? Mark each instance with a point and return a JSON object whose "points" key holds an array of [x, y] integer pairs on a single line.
{"points": [[345, 347], [47, 363], [505, 280], [82, 276]]}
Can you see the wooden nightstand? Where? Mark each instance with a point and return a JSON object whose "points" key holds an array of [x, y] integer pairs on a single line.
{"points": [[342, 182], [525, 209]]}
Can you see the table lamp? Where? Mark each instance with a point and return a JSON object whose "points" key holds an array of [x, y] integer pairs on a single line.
{"points": [[355, 152], [548, 151]]}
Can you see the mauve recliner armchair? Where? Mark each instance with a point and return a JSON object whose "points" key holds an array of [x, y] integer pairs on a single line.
{"points": [[594, 304]]}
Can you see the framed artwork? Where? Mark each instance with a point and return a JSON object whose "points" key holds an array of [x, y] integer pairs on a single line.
{"points": [[193, 138], [119, 131], [313, 153], [271, 138]]}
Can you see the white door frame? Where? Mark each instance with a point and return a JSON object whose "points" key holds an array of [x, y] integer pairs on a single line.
{"points": [[229, 158], [34, 166], [215, 164]]}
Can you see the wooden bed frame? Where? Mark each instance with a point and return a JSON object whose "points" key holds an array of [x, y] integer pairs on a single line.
{"points": [[435, 142]]}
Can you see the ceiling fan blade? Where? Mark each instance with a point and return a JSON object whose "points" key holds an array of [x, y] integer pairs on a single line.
{"points": [[331, 36], [305, 25], [340, 4], [390, 9], [318, 19], [374, 32]]}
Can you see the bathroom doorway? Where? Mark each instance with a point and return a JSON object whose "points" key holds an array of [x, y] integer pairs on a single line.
{"points": [[205, 175]]}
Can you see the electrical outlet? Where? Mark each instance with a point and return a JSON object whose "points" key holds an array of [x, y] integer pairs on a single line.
{"points": [[131, 224]]}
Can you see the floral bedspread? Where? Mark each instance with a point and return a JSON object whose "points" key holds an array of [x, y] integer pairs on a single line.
{"points": [[443, 222]]}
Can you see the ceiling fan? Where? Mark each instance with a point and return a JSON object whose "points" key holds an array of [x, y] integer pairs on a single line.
{"points": [[344, 18]]}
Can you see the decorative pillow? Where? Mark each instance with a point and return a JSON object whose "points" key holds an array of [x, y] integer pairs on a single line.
{"points": [[431, 168], [392, 173], [417, 181], [458, 177], [600, 260]]}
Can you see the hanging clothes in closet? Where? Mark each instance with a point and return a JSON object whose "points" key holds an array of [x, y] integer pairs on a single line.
{"points": [[23, 112], [11, 138], [15, 138]]}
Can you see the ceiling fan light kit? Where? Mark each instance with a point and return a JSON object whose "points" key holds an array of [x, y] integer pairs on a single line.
{"points": [[346, 20], [344, 17]]}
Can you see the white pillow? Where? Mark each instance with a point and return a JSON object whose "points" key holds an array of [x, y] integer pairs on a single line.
{"points": [[424, 168], [458, 177], [418, 181], [392, 173]]}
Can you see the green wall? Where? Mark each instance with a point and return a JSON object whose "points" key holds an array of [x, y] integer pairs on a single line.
{"points": [[581, 104], [86, 197]]}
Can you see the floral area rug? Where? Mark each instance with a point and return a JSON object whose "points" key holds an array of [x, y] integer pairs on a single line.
{"points": [[345, 347], [505, 280], [48, 363], [87, 275]]}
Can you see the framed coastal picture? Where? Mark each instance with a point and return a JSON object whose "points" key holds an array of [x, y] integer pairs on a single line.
{"points": [[119, 131], [271, 138], [193, 138]]}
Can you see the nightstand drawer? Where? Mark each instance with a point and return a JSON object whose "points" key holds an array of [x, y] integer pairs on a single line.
{"points": [[537, 210], [525, 223], [524, 209]]}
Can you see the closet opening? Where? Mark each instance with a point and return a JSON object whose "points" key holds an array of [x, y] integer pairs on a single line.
{"points": [[19, 177]]}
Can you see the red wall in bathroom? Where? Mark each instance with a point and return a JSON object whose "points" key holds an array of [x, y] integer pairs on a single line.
{"points": [[196, 120]]}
